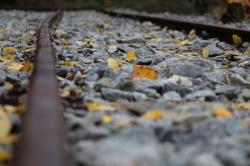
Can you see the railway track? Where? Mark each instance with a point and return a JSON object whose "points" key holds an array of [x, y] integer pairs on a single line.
{"points": [[43, 139], [217, 31]]}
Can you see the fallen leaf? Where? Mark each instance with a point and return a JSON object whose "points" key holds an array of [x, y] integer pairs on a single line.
{"points": [[243, 106], [10, 139], [27, 67], [235, 53], [8, 85], [59, 33], [94, 106], [15, 109], [205, 53], [8, 58], [131, 56], [66, 42], [152, 115], [222, 112], [243, 2], [69, 63], [5, 124], [97, 30], [114, 64], [183, 42], [236, 39], [9, 50], [15, 67], [5, 156], [107, 119], [248, 51], [144, 72]]}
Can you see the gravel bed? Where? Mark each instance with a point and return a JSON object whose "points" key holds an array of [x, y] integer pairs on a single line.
{"points": [[136, 94], [17, 44]]}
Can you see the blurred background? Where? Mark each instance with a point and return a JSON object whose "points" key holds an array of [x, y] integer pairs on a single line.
{"points": [[237, 9]]}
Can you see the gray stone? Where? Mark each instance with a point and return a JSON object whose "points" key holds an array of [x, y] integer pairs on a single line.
{"points": [[130, 147], [172, 96], [205, 159], [114, 94], [213, 50]]}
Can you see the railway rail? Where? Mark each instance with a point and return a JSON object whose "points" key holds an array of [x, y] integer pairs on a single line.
{"points": [[43, 139], [217, 31]]}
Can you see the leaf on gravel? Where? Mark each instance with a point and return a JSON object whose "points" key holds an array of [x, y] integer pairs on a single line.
{"points": [[15, 67], [248, 51], [205, 53], [107, 119], [9, 50], [69, 63], [183, 42], [152, 115], [5, 156], [10, 139], [131, 56], [27, 67], [66, 42], [15, 109], [243, 106], [7, 58], [59, 33], [222, 112], [144, 72], [114, 64], [5, 124], [94, 106], [235, 53], [236, 39]]}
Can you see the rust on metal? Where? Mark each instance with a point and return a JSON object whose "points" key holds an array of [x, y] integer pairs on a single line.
{"points": [[221, 32], [43, 138]]}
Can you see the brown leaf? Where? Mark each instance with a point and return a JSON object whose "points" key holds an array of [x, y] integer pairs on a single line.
{"points": [[222, 112]]}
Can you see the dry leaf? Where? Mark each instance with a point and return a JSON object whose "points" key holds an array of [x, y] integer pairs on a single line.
{"points": [[152, 115], [222, 112], [248, 51], [144, 72], [243, 106], [183, 42], [27, 67], [131, 56], [15, 67], [94, 106], [5, 124], [107, 119], [5, 156], [236, 39], [10, 139], [8, 58], [66, 42], [9, 50], [114, 64], [205, 53], [69, 63], [243, 2], [235, 53], [59, 33]]}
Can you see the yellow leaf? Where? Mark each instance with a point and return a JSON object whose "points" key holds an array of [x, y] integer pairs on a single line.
{"points": [[236, 39], [5, 156], [222, 112], [123, 123], [5, 124], [243, 106], [248, 51], [9, 50], [131, 56], [15, 67], [235, 53], [114, 64], [205, 53], [107, 119], [98, 30], [9, 85], [7, 58], [27, 67], [144, 72], [152, 115], [15, 109], [69, 63], [9, 139], [183, 42], [94, 106], [66, 42]]}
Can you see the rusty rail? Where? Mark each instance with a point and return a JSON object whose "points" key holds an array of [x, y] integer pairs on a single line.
{"points": [[43, 138], [221, 32]]}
